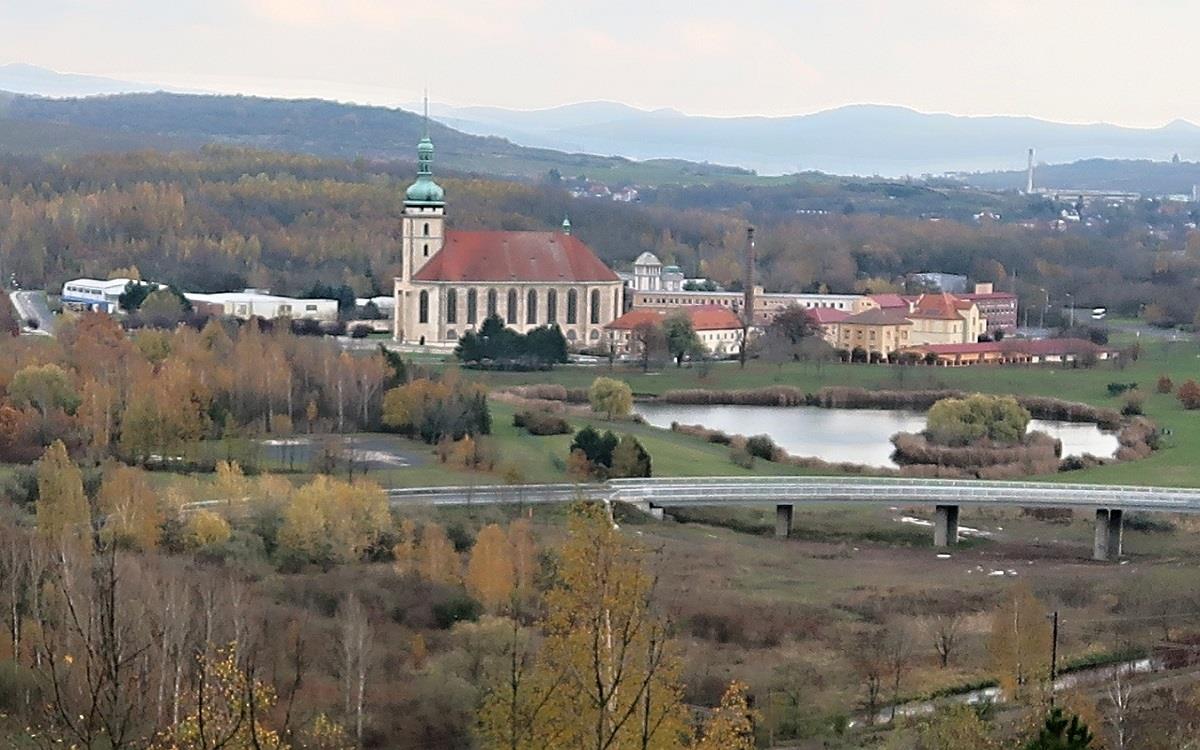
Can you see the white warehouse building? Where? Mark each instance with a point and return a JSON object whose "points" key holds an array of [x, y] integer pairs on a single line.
{"points": [[95, 294], [254, 303]]}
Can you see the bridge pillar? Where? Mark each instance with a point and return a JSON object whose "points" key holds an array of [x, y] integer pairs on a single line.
{"points": [[783, 520], [1107, 542], [945, 525], [649, 509]]}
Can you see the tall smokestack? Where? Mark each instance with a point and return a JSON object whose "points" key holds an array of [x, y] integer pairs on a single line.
{"points": [[1029, 175], [748, 281]]}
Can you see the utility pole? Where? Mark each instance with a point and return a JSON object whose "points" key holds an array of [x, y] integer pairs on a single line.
{"points": [[1053, 654], [747, 297]]}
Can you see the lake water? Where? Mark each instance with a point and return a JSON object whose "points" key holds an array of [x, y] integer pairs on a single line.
{"points": [[860, 436]]}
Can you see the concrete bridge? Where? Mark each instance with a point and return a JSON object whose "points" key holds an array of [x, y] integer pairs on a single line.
{"points": [[945, 495]]}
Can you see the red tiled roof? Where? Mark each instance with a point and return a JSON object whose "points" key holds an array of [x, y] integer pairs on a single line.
{"points": [[516, 257], [981, 347], [826, 314], [879, 317], [704, 318], [940, 306], [1033, 347], [888, 301], [713, 318]]}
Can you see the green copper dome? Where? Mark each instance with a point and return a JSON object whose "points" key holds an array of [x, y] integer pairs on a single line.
{"points": [[425, 191]]}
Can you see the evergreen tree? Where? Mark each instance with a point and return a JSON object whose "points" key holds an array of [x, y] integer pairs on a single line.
{"points": [[1061, 733]]}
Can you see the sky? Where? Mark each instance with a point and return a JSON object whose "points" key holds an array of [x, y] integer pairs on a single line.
{"points": [[1099, 60]]}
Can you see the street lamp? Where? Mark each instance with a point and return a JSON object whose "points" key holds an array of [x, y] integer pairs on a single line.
{"points": [[1045, 307], [1071, 299]]}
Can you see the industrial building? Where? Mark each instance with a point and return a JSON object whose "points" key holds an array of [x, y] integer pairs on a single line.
{"points": [[256, 303]]}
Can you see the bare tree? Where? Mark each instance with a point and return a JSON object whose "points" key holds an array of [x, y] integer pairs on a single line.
{"points": [[356, 642], [898, 645], [1120, 696], [945, 631]]}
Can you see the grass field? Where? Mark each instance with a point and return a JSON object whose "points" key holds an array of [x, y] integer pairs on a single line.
{"points": [[1176, 464]]}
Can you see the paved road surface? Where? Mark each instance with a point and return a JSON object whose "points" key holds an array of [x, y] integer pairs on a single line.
{"points": [[810, 489], [33, 306]]}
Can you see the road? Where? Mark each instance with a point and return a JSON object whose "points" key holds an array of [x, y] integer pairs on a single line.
{"points": [[732, 491], [31, 305]]}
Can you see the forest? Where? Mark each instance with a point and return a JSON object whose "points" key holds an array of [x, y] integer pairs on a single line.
{"points": [[228, 218]]}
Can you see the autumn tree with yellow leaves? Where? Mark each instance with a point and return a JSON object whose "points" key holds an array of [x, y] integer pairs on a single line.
{"points": [[490, 572], [328, 521], [607, 675], [1020, 643], [129, 508], [63, 516]]}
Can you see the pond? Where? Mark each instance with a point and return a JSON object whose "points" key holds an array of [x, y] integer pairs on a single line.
{"points": [[860, 436]]}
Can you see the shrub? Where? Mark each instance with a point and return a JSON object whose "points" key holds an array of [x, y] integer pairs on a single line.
{"points": [[1164, 384], [1189, 394], [541, 423], [741, 457], [630, 459], [360, 331], [1116, 389], [761, 446], [461, 608], [1133, 403]]}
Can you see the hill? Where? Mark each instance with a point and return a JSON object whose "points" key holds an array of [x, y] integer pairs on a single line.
{"points": [[1128, 175], [858, 139], [32, 79], [306, 126]]}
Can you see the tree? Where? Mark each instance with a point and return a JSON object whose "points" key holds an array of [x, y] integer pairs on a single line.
{"points": [[611, 397], [596, 448], [630, 459], [607, 675], [962, 421], [1164, 384], [1061, 733], [944, 630], [328, 521], [787, 333], [1020, 643], [438, 560], [649, 343], [356, 642], [524, 556], [63, 516], [681, 338], [731, 726], [45, 388], [490, 571], [205, 529], [129, 509]]}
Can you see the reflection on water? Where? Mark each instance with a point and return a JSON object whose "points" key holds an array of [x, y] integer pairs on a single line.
{"points": [[860, 436]]}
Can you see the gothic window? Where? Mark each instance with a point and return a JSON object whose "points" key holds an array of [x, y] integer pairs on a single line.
{"points": [[452, 306], [595, 311], [426, 232], [491, 302], [471, 306], [426, 249], [552, 307], [531, 307], [423, 307], [572, 307], [512, 306]]}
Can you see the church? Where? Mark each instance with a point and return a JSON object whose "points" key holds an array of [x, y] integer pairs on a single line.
{"points": [[451, 280]]}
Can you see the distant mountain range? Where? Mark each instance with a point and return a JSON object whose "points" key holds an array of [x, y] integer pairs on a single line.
{"points": [[20, 78], [72, 114], [858, 139]]}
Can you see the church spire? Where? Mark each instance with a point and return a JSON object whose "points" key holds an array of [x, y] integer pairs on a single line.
{"points": [[425, 192]]}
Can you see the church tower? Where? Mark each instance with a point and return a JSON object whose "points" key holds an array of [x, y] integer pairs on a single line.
{"points": [[424, 223], [422, 234]]}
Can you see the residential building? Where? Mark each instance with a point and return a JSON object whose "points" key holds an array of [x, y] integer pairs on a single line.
{"points": [[718, 328], [828, 319], [766, 304], [999, 309], [257, 303], [876, 331], [944, 319], [1014, 351], [451, 280]]}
